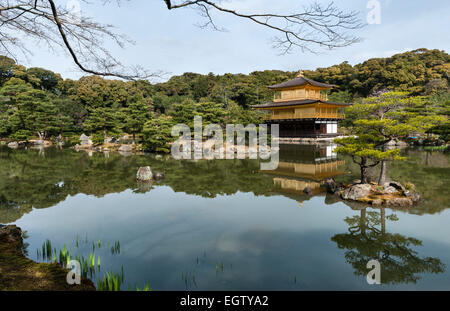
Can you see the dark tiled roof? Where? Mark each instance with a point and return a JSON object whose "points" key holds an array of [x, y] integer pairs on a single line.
{"points": [[299, 81], [297, 103]]}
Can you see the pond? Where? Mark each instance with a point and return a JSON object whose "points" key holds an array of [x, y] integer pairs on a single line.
{"points": [[226, 225]]}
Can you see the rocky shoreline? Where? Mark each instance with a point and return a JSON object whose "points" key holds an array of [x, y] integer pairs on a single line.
{"points": [[18, 273], [392, 194]]}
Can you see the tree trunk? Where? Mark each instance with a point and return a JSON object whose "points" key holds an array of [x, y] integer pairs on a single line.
{"points": [[382, 178], [134, 138], [363, 171]]}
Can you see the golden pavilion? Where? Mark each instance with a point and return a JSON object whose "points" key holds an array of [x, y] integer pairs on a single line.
{"points": [[301, 108]]}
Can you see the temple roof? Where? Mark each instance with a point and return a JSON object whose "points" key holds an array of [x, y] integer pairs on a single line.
{"points": [[299, 81], [297, 103]]}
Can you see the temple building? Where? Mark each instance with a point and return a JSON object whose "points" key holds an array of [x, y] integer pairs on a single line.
{"points": [[301, 108]]}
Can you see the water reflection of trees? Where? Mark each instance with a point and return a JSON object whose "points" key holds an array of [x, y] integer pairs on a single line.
{"points": [[367, 239], [28, 180]]}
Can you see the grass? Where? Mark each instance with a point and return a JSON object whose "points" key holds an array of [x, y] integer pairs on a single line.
{"points": [[435, 148], [90, 265], [111, 281]]}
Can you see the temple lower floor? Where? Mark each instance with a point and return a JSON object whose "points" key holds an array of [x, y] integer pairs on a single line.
{"points": [[307, 128]]}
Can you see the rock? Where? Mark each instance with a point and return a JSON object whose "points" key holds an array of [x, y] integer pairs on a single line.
{"points": [[307, 190], [399, 202], [38, 142], [110, 140], [11, 234], [394, 184], [391, 143], [396, 143], [401, 143], [356, 192], [13, 145], [159, 176], [331, 185], [144, 174], [357, 181], [390, 190], [377, 202], [126, 148], [415, 197]]}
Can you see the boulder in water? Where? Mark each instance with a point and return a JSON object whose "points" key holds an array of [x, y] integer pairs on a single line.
{"points": [[144, 174], [158, 176]]}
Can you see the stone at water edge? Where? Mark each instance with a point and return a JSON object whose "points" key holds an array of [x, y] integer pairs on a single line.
{"points": [[415, 197], [390, 190], [126, 148], [159, 176], [307, 190], [331, 185], [356, 192], [394, 184], [13, 145], [144, 174]]}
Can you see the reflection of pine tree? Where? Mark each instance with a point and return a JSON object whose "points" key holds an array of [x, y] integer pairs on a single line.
{"points": [[367, 239]]}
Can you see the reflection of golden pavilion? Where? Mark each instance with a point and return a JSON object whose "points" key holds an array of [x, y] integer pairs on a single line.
{"points": [[304, 166]]}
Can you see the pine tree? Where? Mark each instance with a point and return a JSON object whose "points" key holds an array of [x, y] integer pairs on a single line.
{"points": [[133, 117]]}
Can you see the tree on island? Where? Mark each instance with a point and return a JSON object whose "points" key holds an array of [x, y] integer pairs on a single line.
{"points": [[386, 118], [364, 152]]}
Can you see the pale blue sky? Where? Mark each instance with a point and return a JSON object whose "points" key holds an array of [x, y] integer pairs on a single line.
{"points": [[169, 40]]}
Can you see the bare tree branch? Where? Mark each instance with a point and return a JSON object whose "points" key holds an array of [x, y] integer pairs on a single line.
{"points": [[84, 39], [317, 26]]}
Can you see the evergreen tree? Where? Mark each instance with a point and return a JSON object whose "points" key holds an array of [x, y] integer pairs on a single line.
{"points": [[101, 119], [157, 134], [133, 117]]}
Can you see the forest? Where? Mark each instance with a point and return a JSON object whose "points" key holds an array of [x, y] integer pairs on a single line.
{"points": [[36, 103]]}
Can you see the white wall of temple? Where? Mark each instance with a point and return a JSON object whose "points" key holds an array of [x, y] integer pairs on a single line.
{"points": [[332, 128]]}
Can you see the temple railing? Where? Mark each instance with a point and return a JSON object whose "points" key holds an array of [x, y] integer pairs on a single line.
{"points": [[291, 116]]}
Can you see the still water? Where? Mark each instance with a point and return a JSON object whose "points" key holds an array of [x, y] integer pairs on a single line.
{"points": [[225, 225]]}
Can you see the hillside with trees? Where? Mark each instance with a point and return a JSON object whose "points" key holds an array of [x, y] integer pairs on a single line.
{"points": [[39, 104]]}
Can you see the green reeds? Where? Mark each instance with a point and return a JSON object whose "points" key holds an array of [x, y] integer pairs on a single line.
{"points": [[110, 281], [115, 249]]}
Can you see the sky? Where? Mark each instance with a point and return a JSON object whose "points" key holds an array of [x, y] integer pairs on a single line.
{"points": [[170, 41]]}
